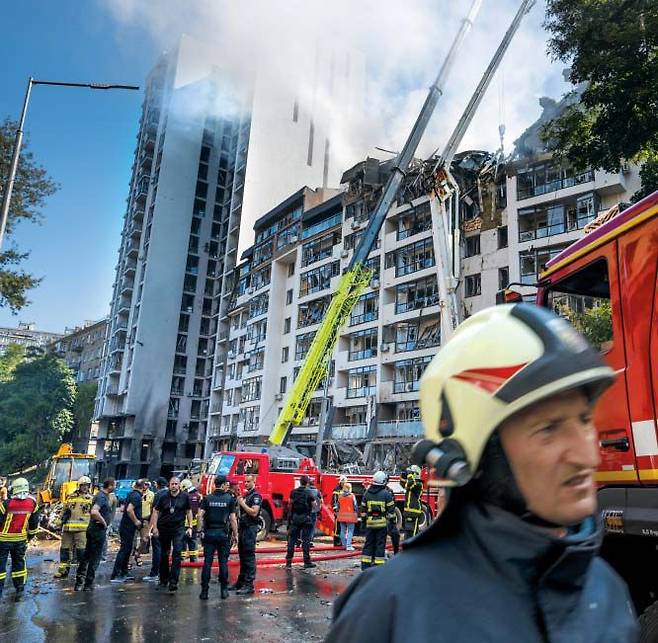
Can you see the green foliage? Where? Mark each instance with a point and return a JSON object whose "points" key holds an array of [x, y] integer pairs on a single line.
{"points": [[14, 355], [649, 178], [35, 411], [594, 323], [83, 410], [31, 188], [612, 50]]}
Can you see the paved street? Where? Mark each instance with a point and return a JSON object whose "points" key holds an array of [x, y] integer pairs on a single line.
{"points": [[292, 606]]}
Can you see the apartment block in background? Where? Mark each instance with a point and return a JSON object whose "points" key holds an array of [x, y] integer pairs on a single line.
{"points": [[82, 350], [27, 335]]}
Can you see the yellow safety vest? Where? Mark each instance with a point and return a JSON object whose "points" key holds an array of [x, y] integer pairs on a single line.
{"points": [[79, 505]]}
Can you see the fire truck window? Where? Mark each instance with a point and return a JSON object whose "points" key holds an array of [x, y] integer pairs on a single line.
{"points": [[584, 299], [247, 467]]}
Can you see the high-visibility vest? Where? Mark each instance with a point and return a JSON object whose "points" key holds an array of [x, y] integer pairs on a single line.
{"points": [[346, 510], [79, 506], [16, 519]]}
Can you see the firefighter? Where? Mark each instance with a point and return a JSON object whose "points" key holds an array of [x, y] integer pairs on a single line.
{"points": [[189, 543], [507, 406], [392, 529], [377, 513], [250, 507], [75, 520], [19, 522], [335, 501], [413, 509]]}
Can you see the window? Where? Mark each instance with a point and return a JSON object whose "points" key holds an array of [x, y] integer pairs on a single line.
{"points": [[407, 374], [288, 297], [251, 417], [312, 312], [502, 237], [263, 252], [366, 309], [286, 325], [472, 285], [547, 177], [411, 258], [361, 381], [412, 336], [472, 246], [256, 360], [363, 344], [257, 331], [302, 344], [532, 262], [261, 277], [247, 466], [556, 218], [291, 269], [318, 279], [414, 221], [251, 389], [503, 277], [259, 305], [319, 249], [324, 224], [285, 352], [283, 383], [584, 299], [416, 294]]}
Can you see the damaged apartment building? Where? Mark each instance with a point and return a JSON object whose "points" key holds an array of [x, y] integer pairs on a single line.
{"points": [[509, 218]]}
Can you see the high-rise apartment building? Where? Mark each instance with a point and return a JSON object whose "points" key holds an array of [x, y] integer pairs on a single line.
{"points": [[204, 147], [27, 335]]}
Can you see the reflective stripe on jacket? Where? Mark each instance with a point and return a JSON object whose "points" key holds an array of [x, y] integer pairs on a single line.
{"points": [[18, 519], [78, 510], [378, 506], [413, 490]]}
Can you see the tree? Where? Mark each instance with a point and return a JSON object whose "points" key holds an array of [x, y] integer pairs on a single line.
{"points": [[13, 356], [595, 323], [32, 187], [612, 50], [35, 411], [83, 412]]}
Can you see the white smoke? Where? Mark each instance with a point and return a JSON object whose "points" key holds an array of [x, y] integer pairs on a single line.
{"points": [[403, 43]]}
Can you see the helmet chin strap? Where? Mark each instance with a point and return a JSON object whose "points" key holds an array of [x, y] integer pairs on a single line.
{"points": [[495, 484]]}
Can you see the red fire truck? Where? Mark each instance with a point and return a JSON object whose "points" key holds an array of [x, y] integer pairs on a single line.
{"points": [[278, 470], [607, 281]]}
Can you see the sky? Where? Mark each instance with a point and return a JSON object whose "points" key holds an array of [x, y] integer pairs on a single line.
{"points": [[86, 139]]}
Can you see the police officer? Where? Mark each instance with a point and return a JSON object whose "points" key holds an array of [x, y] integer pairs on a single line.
{"points": [[413, 509], [75, 520], [300, 521], [216, 516], [507, 408], [19, 522], [377, 512], [250, 506]]}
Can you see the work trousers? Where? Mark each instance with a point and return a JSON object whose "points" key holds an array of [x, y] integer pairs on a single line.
{"points": [[394, 533], [127, 535], [337, 531], [170, 542], [73, 542], [91, 556], [303, 532], [143, 542], [216, 541], [374, 549], [155, 556], [15, 550], [411, 522], [189, 545], [247, 552]]}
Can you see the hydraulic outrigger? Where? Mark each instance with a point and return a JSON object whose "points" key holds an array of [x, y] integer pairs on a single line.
{"points": [[357, 276]]}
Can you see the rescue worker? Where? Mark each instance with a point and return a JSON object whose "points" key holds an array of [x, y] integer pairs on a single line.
{"points": [[335, 495], [75, 520], [99, 522], [249, 525], [392, 528], [189, 542], [377, 513], [143, 541], [507, 410], [216, 517], [19, 522], [300, 521], [154, 574], [412, 513]]}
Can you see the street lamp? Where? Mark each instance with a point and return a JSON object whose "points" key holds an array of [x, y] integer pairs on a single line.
{"points": [[11, 176]]}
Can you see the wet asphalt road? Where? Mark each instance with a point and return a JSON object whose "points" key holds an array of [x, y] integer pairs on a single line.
{"points": [[296, 606]]}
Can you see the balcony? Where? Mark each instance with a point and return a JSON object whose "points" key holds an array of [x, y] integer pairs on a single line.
{"points": [[132, 248], [349, 432], [400, 429], [360, 391]]}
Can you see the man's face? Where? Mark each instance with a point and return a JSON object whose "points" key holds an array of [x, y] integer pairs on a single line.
{"points": [[84, 488], [174, 486], [552, 448], [223, 487], [249, 483], [112, 487]]}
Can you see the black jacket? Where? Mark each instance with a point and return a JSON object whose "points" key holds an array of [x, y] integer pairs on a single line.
{"points": [[482, 574]]}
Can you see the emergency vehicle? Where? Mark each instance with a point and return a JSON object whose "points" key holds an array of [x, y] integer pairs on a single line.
{"points": [[613, 271]]}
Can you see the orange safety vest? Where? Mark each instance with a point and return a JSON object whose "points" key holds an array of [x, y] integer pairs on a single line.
{"points": [[346, 511]]}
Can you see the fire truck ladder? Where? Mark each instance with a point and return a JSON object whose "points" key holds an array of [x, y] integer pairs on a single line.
{"points": [[357, 276]]}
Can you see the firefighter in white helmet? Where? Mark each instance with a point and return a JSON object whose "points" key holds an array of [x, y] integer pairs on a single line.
{"points": [[75, 520], [377, 511], [507, 410], [412, 513]]}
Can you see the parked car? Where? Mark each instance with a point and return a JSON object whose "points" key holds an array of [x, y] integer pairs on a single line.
{"points": [[124, 487]]}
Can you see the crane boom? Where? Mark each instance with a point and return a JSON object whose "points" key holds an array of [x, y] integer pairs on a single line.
{"points": [[357, 276]]}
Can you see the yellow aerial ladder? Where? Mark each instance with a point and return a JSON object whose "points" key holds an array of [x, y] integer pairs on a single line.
{"points": [[357, 276]]}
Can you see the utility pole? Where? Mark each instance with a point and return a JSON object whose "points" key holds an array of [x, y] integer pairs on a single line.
{"points": [[18, 141]]}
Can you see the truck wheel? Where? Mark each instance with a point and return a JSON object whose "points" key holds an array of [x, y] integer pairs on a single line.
{"points": [[426, 518], [399, 521], [648, 622], [265, 520]]}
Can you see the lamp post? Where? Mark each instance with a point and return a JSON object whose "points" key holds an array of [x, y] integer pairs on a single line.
{"points": [[11, 176]]}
